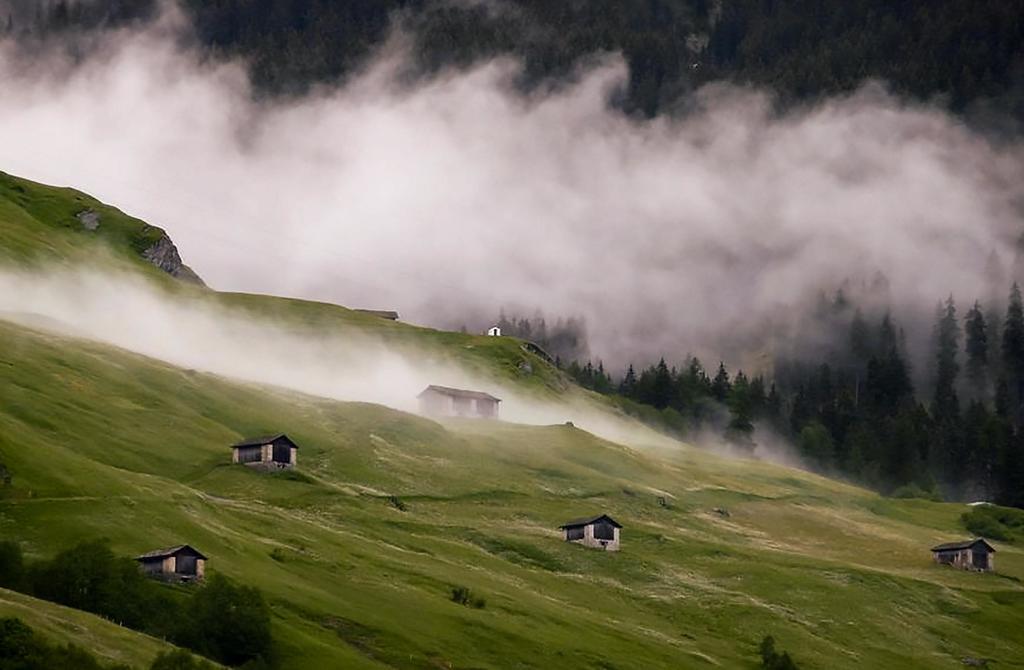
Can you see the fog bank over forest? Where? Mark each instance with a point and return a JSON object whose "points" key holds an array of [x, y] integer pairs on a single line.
{"points": [[450, 198]]}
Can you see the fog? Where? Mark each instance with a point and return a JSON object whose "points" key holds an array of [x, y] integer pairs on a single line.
{"points": [[450, 198], [193, 332]]}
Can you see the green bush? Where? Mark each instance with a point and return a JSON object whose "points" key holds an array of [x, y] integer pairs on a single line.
{"points": [[227, 622], [465, 596], [773, 660], [1004, 524], [908, 491], [179, 660], [12, 566], [21, 648], [90, 577]]}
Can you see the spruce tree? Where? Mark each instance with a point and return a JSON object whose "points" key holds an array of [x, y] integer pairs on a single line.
{"points": [[1013, 352], [947, 344], [976, 348], [628, 386], [720, 386], [860, 338], [661, 387], [741, 426]]}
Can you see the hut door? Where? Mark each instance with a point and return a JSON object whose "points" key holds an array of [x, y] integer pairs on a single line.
{"points": [[186, 565], [604, 531], [282, 453], [979, 559]]}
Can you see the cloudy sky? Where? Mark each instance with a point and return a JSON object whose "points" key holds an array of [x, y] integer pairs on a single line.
{"points": [[452, 198]]}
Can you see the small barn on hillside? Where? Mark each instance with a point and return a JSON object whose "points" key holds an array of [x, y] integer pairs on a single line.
{"points": [[388, 314], [181, 563], [266, 451], [976, 554], [446, 401], [598, 532], [494, 331]]}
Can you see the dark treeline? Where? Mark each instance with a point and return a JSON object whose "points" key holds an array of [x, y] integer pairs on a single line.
{"points": [[855, 411], [564, 339], [962, 50], [218, 619]]}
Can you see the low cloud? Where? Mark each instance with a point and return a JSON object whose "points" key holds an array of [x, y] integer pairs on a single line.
{"points": [[452, 197], [191, 331]]}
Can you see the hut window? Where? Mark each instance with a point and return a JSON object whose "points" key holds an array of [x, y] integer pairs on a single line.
{"points": [[575, 533], [248, 454], [604, 531]]}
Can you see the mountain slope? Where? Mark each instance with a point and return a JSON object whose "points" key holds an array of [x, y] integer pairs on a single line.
{"points": [[102, 442], [106, 443], [110, 642]]}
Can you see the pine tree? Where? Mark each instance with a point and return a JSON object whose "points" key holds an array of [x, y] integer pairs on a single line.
{"points": [[860, 338], [1013, 352], [627, 387], [661, 387], [976, 348], [720, 386], [947, 344], [741, 426]]}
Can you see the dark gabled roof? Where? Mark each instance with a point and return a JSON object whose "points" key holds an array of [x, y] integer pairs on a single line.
{"points": [[172, 551], [586, 521], [382, 313], [966, 544], [264, 439], [458, 393]]}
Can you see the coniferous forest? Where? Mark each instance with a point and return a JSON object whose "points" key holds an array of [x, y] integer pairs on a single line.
{"points": [[966, 54], [856, 411]]}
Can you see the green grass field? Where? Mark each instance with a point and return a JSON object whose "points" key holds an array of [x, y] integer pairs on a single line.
{"points": [[106, 443]]}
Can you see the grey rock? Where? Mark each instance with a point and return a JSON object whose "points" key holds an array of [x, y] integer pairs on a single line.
{"points": [[525, 368], [164, 255], [89, 219]]}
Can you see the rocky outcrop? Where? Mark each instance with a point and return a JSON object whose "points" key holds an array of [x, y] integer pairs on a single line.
{"points": [[164, 255], [89, 219]]}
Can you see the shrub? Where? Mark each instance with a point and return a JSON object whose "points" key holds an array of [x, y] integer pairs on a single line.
{"points": [[908, 491], [179, 659], [996, 523], [397, 503], [465, 596], [773, 660], [90, 577], [12, 566], [227, 622], [21, 648]]}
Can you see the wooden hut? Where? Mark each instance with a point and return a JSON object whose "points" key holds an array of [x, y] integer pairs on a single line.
{"points": [[270, 451], [973, 554], [598, 532], [447, 401], [388, 314], [182, 563]]}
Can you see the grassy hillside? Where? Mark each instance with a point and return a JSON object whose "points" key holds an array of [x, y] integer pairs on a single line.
{"points": [[102, 442], [110, 642], [40, 228], [105, 443]]}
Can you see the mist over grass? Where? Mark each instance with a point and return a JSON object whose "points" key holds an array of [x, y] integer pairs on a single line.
{"points": [[450, 198], [196, 330]]}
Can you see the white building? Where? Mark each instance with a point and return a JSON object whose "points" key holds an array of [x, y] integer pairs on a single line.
{"points": [[494, 331]]}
